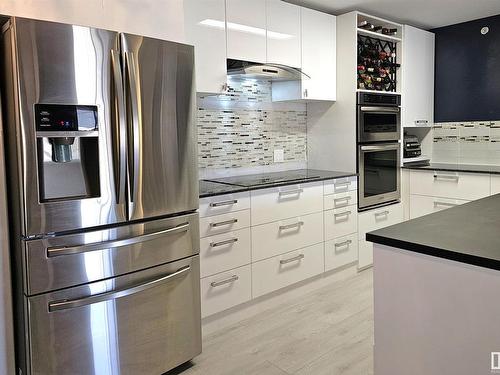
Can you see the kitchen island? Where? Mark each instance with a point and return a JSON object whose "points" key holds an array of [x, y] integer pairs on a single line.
{"points": [[436, 289]]}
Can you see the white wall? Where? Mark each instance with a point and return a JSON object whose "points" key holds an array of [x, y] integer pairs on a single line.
{"points": [[164, 19]]}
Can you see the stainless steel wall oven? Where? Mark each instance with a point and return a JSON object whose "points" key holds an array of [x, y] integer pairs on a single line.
{"points": [[379, 130]]}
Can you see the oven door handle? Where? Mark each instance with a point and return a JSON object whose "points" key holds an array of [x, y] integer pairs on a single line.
{"points": [[381, 109], [380, 148]]}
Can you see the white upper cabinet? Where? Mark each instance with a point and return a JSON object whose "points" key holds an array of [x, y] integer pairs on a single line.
{"points": [[318, 61], [418, 77], [246, 30], [283, 33], [319, 55], [205, 29]]}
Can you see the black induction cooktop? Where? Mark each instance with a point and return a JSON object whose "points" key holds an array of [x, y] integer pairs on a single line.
{"points": [[279, 178]]}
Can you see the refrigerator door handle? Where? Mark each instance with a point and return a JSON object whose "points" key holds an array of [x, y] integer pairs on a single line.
{"points": [[84, 248], [102, 297], [119, 129], [135, 127]]}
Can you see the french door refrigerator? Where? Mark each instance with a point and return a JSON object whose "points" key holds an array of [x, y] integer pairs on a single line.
{"points": [[103, 193]]}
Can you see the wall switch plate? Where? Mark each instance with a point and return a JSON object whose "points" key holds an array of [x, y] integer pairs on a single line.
{"points": [[279, 156]]}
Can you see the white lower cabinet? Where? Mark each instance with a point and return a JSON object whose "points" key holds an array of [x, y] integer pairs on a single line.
{"points": [[232, 221], [225, 290], [224, 251], [365, 254], [379, 218], [372, 220], [279, 237], [341, 222], [341, 251], [268, 205], [280, 271], [456, 185], [255, 243], [421, 205]]}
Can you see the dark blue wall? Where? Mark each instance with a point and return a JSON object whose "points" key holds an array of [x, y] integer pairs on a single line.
{"points": [[468, 71]]}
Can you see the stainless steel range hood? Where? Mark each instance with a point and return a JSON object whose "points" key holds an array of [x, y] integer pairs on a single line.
{"points": [[270, 72]]}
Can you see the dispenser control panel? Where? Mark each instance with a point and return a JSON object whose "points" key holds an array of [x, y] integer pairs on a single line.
{"points": [[62, 117]]}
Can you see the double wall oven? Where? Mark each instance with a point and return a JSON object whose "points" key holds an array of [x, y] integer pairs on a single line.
{"points": [[379, 131]]}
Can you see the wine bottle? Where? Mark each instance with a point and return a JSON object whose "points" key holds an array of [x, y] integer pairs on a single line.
{"points": [[377, 28], [366, 25], [387, 31]]}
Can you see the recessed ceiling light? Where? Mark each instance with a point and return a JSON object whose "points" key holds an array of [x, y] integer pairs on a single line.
{"points": [[485, 30]]}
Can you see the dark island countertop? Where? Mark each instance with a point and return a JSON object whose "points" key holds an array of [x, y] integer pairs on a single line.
{"points": [[236, 184], [451, 167], [469, 233]]}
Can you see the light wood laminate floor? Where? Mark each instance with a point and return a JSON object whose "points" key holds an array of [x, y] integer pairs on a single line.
{"points": [[327, 332]]}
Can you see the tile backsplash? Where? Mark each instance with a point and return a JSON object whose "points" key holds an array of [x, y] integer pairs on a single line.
{"points": [[466, 142], [242, 128]]}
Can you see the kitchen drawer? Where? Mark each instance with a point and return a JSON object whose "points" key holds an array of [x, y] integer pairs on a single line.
{"points": [[421, 205], [275, 204], [341, 222], [339, 200], [283, 270], [232, 221], [365, 254], [222, 204], [225, 251], [341, 185], [341, 251], [225, 290], [283, 236], [379, 218], [456, 185]]}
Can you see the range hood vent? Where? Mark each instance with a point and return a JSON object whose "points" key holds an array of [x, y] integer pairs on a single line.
{"points": [[269, 72]]}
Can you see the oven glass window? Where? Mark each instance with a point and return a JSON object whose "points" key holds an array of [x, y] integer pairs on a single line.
{"points": [[380, 172], [380, 122]]}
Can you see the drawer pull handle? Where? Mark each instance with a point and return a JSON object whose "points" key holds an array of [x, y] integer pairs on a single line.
{"points": [[102, 297], [342, 244], [342, 186], [291, 192], [294, 259], [340, 214], [290, 226], [222, 243], [421, 122], [381, 213], [84, 248], [446, 177], [343, 199], [224, 203], [229, 280], [447, 204], [222, 223]]}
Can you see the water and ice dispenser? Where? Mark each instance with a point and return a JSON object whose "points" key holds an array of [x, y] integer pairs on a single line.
{"points": [[67, 151]]}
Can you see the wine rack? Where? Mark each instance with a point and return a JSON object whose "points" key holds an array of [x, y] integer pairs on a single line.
{"points": [[377, 64]]}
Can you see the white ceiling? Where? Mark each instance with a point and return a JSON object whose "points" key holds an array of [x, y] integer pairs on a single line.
{"points": [[426, 14]]}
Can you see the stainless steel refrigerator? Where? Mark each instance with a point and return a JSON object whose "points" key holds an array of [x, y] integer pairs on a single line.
{"points": [[103, 193]]}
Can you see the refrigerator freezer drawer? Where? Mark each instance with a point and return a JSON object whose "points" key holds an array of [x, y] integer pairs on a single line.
{"points": [[142, 323], [64, 261]]}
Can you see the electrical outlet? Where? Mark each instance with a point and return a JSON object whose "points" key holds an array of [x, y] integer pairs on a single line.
{"points": [[279, 156]]}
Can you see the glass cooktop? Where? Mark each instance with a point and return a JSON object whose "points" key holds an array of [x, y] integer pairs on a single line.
{"points": [[275, 178]]}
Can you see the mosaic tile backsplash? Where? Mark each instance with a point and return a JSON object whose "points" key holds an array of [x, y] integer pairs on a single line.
{"points": [[243, 127], [466, 142]]}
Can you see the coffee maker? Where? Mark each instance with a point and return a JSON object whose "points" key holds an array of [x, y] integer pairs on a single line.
{"points": [[68, 151]]}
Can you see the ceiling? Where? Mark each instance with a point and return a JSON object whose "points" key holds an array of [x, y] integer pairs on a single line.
{"points": [[426, 14]]}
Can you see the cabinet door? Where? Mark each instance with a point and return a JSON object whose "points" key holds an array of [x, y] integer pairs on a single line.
{"points": [[206, 30], [418, 77], [283, 33], [318, 55], [246, 30]]}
